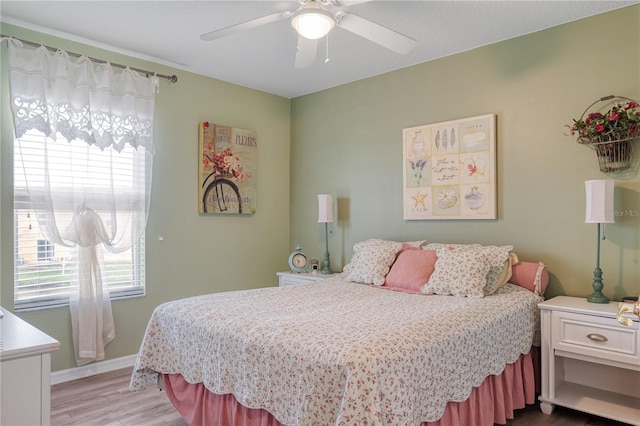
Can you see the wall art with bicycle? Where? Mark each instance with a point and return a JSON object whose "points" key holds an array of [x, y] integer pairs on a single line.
{"points": [[449, 170], [227, 170]]}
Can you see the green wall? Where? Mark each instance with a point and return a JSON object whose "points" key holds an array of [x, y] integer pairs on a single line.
{"points": [[348, 141], [199, 254]]}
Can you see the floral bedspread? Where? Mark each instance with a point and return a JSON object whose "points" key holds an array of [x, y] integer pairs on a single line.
{"points": [[334, 352]]}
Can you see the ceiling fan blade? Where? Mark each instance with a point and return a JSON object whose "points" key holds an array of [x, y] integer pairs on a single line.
{"points": [[306, 53], [383, 36], [248, 25], [348, 2]]}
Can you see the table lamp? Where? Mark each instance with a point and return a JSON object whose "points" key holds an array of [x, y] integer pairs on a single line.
{"points": [[600, 211], [325, 215]]}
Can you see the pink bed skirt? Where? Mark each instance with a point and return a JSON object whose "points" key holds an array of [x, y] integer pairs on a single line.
{"points": [[494, 401]]}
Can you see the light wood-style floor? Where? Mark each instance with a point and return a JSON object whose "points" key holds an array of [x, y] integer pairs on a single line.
{"points": [[105, 399]]}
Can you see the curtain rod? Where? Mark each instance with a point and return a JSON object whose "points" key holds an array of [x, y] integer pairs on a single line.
{"points": [[172, 78]]}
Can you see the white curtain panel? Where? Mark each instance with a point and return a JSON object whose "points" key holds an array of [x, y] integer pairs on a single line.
{"points": [[98, 124]]}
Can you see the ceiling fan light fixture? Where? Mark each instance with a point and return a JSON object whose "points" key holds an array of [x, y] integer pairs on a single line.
{"points": [[312, 22]]}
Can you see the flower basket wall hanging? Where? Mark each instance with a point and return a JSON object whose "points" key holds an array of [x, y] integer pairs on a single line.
{"points": [[610, 134]]}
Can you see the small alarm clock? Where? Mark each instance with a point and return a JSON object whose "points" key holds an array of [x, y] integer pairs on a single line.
{"points": [[298, 261]]}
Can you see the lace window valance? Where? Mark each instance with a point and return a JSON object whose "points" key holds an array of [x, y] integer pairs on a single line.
{"points": [[79, 100]]}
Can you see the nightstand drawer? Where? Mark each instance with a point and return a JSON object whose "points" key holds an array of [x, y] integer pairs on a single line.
{"points": [[598, 337], [294, 278]]}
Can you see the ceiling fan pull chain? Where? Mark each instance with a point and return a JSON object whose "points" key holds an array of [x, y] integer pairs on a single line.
{"points": [[326, 60]]}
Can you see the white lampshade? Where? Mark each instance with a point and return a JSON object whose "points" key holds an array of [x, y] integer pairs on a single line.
{"points": [[599, 201], [312, 22], [325, 208]]}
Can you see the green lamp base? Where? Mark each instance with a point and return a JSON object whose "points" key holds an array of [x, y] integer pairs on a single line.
{"points": [[327, 263], [597, 296]]}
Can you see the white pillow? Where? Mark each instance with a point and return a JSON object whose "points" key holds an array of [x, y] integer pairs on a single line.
{"points": [[459, 272], [371, 261]]}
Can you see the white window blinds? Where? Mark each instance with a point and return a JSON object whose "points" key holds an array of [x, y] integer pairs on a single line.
{"points": [[42, 269]]}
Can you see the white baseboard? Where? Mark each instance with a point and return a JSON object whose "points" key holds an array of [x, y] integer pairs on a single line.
{"points": [[92, 369]]}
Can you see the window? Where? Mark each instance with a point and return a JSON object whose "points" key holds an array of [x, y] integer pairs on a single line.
{"points": [[46, 250], [42, 269]]}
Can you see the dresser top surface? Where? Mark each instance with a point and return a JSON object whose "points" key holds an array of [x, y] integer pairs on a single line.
{"points": [[19, 338]]}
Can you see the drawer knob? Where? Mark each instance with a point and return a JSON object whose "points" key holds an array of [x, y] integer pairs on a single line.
{"points": [[597, 337]]}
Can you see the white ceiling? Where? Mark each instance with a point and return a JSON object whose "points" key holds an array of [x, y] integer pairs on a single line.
{"points": [[168, 32]]}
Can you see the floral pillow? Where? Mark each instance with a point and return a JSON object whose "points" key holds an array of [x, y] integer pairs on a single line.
{"points": [[371, 261], [502, 279], [460, 273], [436, 246], [415, 244], [499, 267], [498, 258]]}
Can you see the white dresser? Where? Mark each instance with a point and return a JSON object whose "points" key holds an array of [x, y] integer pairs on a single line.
{"points": [[293, 278], [590, 362], [25, 372]]}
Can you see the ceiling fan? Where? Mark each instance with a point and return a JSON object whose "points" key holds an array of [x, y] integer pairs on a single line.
{"points": [[314, 19]]}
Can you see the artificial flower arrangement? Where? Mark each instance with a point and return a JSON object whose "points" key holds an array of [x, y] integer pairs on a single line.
{"points": [[610, 134], [621, 122]]}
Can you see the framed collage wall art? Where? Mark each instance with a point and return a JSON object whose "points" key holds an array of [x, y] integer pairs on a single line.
{"points": [[449, 170], [227, 170]]}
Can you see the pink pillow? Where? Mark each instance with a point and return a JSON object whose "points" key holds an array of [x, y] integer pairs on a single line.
{"points": [[411, 270], [530, 275]]}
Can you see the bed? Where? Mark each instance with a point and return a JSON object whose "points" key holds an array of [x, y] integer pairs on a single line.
{"points": [[346, 352]]}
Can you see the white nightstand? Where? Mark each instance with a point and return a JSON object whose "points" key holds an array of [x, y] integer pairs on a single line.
{"points": [[590, 362], [293, 278]]}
